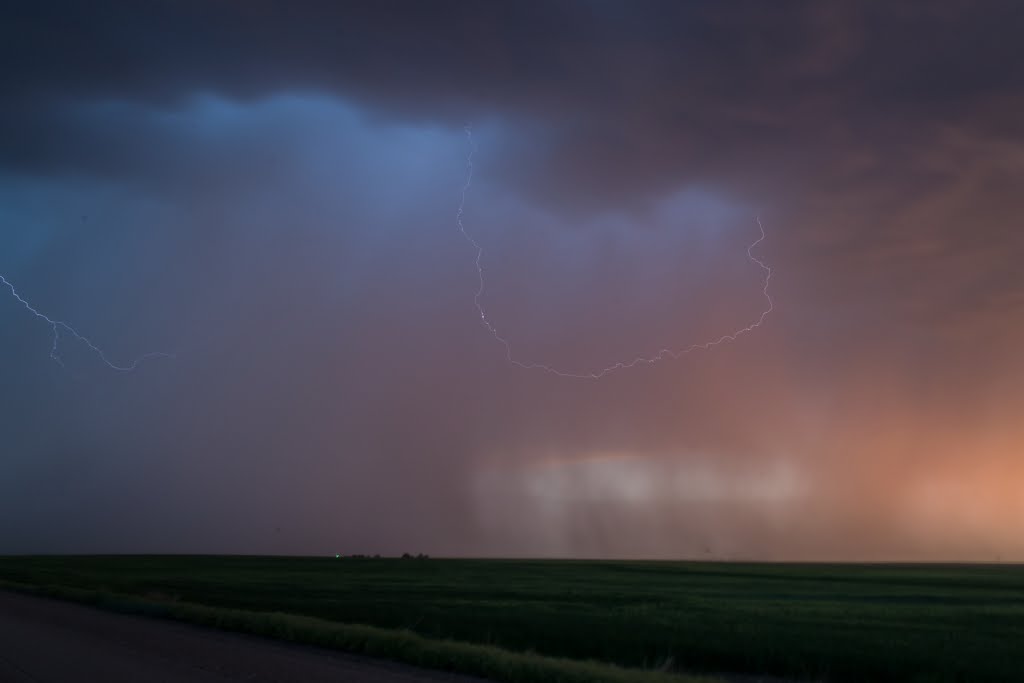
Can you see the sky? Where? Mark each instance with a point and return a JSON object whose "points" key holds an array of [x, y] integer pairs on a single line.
{"points": [[269, 191]]}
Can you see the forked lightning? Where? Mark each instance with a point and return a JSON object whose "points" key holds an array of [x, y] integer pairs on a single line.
{"points": [[622, 365]]}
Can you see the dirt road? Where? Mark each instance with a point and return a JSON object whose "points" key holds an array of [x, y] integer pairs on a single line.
{"points": [[47, 641]]}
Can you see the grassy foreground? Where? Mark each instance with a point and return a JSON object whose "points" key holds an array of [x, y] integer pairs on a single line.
{"points": [[398, 645], [540, 620]]}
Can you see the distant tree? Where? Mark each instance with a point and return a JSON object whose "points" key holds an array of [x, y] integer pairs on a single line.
{"points": [[406, 556]]}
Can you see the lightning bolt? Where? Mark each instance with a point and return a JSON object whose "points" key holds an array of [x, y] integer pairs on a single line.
{"points": [[58, 325], [661, 355]]}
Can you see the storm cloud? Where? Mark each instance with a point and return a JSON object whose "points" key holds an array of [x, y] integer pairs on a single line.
{"points": [[269, 191]]}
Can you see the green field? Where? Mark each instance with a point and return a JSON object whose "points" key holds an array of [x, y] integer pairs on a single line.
{"points": [[816, 622]]}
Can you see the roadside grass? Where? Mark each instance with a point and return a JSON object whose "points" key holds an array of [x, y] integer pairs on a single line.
{"points": [[879, 623], [397, 645]]}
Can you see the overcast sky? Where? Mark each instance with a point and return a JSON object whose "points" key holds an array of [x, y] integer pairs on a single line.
{"points": [[269, 191]]}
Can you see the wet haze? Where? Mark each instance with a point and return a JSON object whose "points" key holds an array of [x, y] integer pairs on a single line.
{"points": [[269, 191]]}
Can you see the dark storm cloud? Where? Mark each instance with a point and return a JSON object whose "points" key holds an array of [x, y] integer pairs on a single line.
{"points": [[633, 93], [918, 53], [269, 190]]}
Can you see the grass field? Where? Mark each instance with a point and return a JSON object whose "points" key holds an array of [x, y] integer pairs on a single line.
{"points": [[819, 622]]}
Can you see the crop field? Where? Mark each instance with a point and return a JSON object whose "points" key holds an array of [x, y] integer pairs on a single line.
{"points": [[800, 622]]}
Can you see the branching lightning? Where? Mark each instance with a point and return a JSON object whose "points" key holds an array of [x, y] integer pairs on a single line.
{"points": [[663, 354], [58, 325]]}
